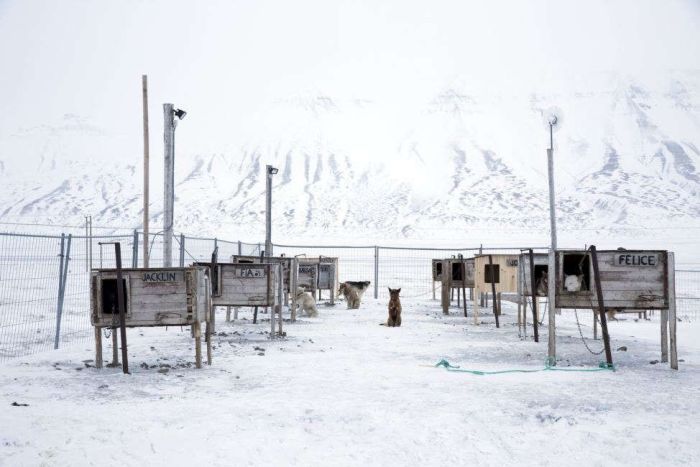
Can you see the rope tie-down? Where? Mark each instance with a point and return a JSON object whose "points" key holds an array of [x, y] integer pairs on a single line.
{"points": [[548, 366]]}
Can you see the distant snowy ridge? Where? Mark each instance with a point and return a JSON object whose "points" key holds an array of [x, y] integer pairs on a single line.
{"points": [[626, 157]]}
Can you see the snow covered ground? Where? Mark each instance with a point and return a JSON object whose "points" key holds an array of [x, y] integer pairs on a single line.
{"points": [[341, 390]]}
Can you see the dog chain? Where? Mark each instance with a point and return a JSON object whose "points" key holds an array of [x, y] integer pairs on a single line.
{"points": [[581, 333]]}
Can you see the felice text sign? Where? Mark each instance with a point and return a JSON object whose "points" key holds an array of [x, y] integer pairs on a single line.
{"points": [[636, 259]]}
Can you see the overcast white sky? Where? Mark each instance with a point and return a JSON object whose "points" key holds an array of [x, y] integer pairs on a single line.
{"points": [[224, 60]]}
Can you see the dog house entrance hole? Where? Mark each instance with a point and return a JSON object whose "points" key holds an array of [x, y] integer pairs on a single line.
{"points": [[109, 297], [438, 269], [541, 269], [576, 264], [492, 273], [215, 281], [457, 272]]}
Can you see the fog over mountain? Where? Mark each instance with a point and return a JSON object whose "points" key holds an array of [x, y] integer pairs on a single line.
{"points": [[399, 123]]}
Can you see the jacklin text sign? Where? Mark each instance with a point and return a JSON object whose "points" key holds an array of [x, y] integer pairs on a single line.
{"points": [[160, 276]]}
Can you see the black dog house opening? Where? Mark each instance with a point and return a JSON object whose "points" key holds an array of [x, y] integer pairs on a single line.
{"points": [[492, 273], [576, 264], [109, 296], [438, 269], [457, 272], [215, 281]]}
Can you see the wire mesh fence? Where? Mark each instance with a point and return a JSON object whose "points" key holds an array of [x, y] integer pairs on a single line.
{"points": [[45, 283], [688, 294]]}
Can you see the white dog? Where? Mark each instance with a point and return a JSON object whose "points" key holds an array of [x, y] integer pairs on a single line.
{"points": [[307, 302], [573, 283]]}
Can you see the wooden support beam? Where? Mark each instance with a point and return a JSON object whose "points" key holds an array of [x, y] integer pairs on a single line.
{"points": [[197, 344], [493, 291], [601, 306], [98, 347], [446, 288], [464, 287]]}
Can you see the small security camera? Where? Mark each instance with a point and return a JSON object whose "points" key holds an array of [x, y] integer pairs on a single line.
{"points": [[179, 113], [273, 170]]}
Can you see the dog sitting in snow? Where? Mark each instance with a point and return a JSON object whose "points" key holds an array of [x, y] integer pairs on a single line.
{"points": [[307, 302], [394, 308], [353, 291]]}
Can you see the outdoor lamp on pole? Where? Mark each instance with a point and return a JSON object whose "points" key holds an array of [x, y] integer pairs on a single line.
{"points": [[553, 120], [169, 113], [269, 172]]}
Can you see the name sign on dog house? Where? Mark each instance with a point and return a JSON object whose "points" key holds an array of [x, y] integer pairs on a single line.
{"points": [[160, 276], [623, 259], [250, 273]]}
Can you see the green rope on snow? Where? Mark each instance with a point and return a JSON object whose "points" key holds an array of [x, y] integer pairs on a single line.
{"points": [[548, 367]]}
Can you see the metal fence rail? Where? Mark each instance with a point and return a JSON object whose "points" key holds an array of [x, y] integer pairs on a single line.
{"points": [[45, 279]]}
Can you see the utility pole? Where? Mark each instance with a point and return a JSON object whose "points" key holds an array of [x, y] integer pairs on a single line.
{"points": [[169, 124], [144, 86], [269, 172], [553, 121]]}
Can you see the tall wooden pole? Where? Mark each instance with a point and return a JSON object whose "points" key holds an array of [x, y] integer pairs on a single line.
{"points": [[144, 85], [268, 210], [169, 185]]}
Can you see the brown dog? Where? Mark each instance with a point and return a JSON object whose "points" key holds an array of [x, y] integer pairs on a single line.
{"points": [[394, 308]]}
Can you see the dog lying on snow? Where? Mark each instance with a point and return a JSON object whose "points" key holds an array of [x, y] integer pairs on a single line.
{"points": [[353, 291], [307, 302]]}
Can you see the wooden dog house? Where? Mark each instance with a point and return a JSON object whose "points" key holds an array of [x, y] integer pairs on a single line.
{"points": [[249, 284], [496, 273], [152, 297], [319, 273], [461, 276], [629, 280], [540, 268]]}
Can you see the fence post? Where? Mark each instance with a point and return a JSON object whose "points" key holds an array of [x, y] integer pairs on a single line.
{"points": [[376, 272], [135, 252], [182, 250], [239, 248], [63, 276]]}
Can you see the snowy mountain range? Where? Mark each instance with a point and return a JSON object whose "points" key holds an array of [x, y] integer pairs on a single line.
{"points": [[467, 165]]}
